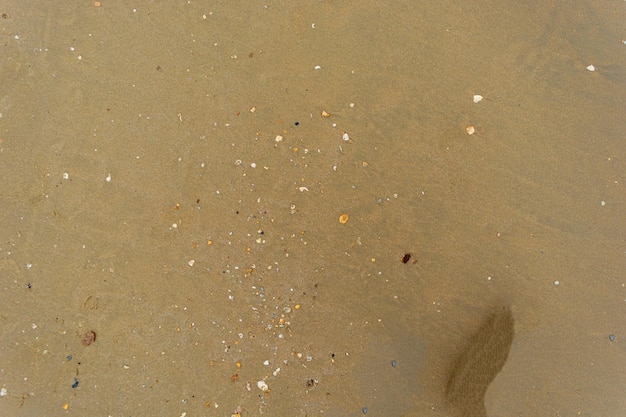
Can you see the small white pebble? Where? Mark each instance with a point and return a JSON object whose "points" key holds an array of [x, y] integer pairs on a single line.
{"points": [[3, 392], [603, 203], [278, 138], [477, 98], [262, 385], [591, 68], [346, 137], [556, 282], [318, 67], [66, 176], [191, 262], [108, 178]]}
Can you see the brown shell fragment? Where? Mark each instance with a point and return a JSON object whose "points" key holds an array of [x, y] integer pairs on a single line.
{"points": [[88, 338]]}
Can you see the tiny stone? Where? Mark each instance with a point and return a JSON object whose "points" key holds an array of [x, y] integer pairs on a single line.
{"points": [[591, 68], [364, 409], [611, 337], [394, 363]]}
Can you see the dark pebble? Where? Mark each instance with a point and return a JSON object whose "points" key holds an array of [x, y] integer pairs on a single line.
{"points": [[75, 384], [394, 363], [364, 409], [611, 337]]}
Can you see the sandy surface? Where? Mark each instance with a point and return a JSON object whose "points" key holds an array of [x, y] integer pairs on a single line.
{"points": [[169, 183]]}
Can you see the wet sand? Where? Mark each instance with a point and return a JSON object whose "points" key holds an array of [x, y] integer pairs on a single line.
{"points": [[173, 178]]}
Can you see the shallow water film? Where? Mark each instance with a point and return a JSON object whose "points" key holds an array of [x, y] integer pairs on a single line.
{"points": [[312, 208]]}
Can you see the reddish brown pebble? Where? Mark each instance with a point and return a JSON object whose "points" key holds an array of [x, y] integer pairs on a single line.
{"points": [[88, 338], [406, 258]]}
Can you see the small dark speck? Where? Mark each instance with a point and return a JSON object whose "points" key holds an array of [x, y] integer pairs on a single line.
{"points": [[297, 123], [29, 286], [75, 384], [158, 68], [406, 258]]}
